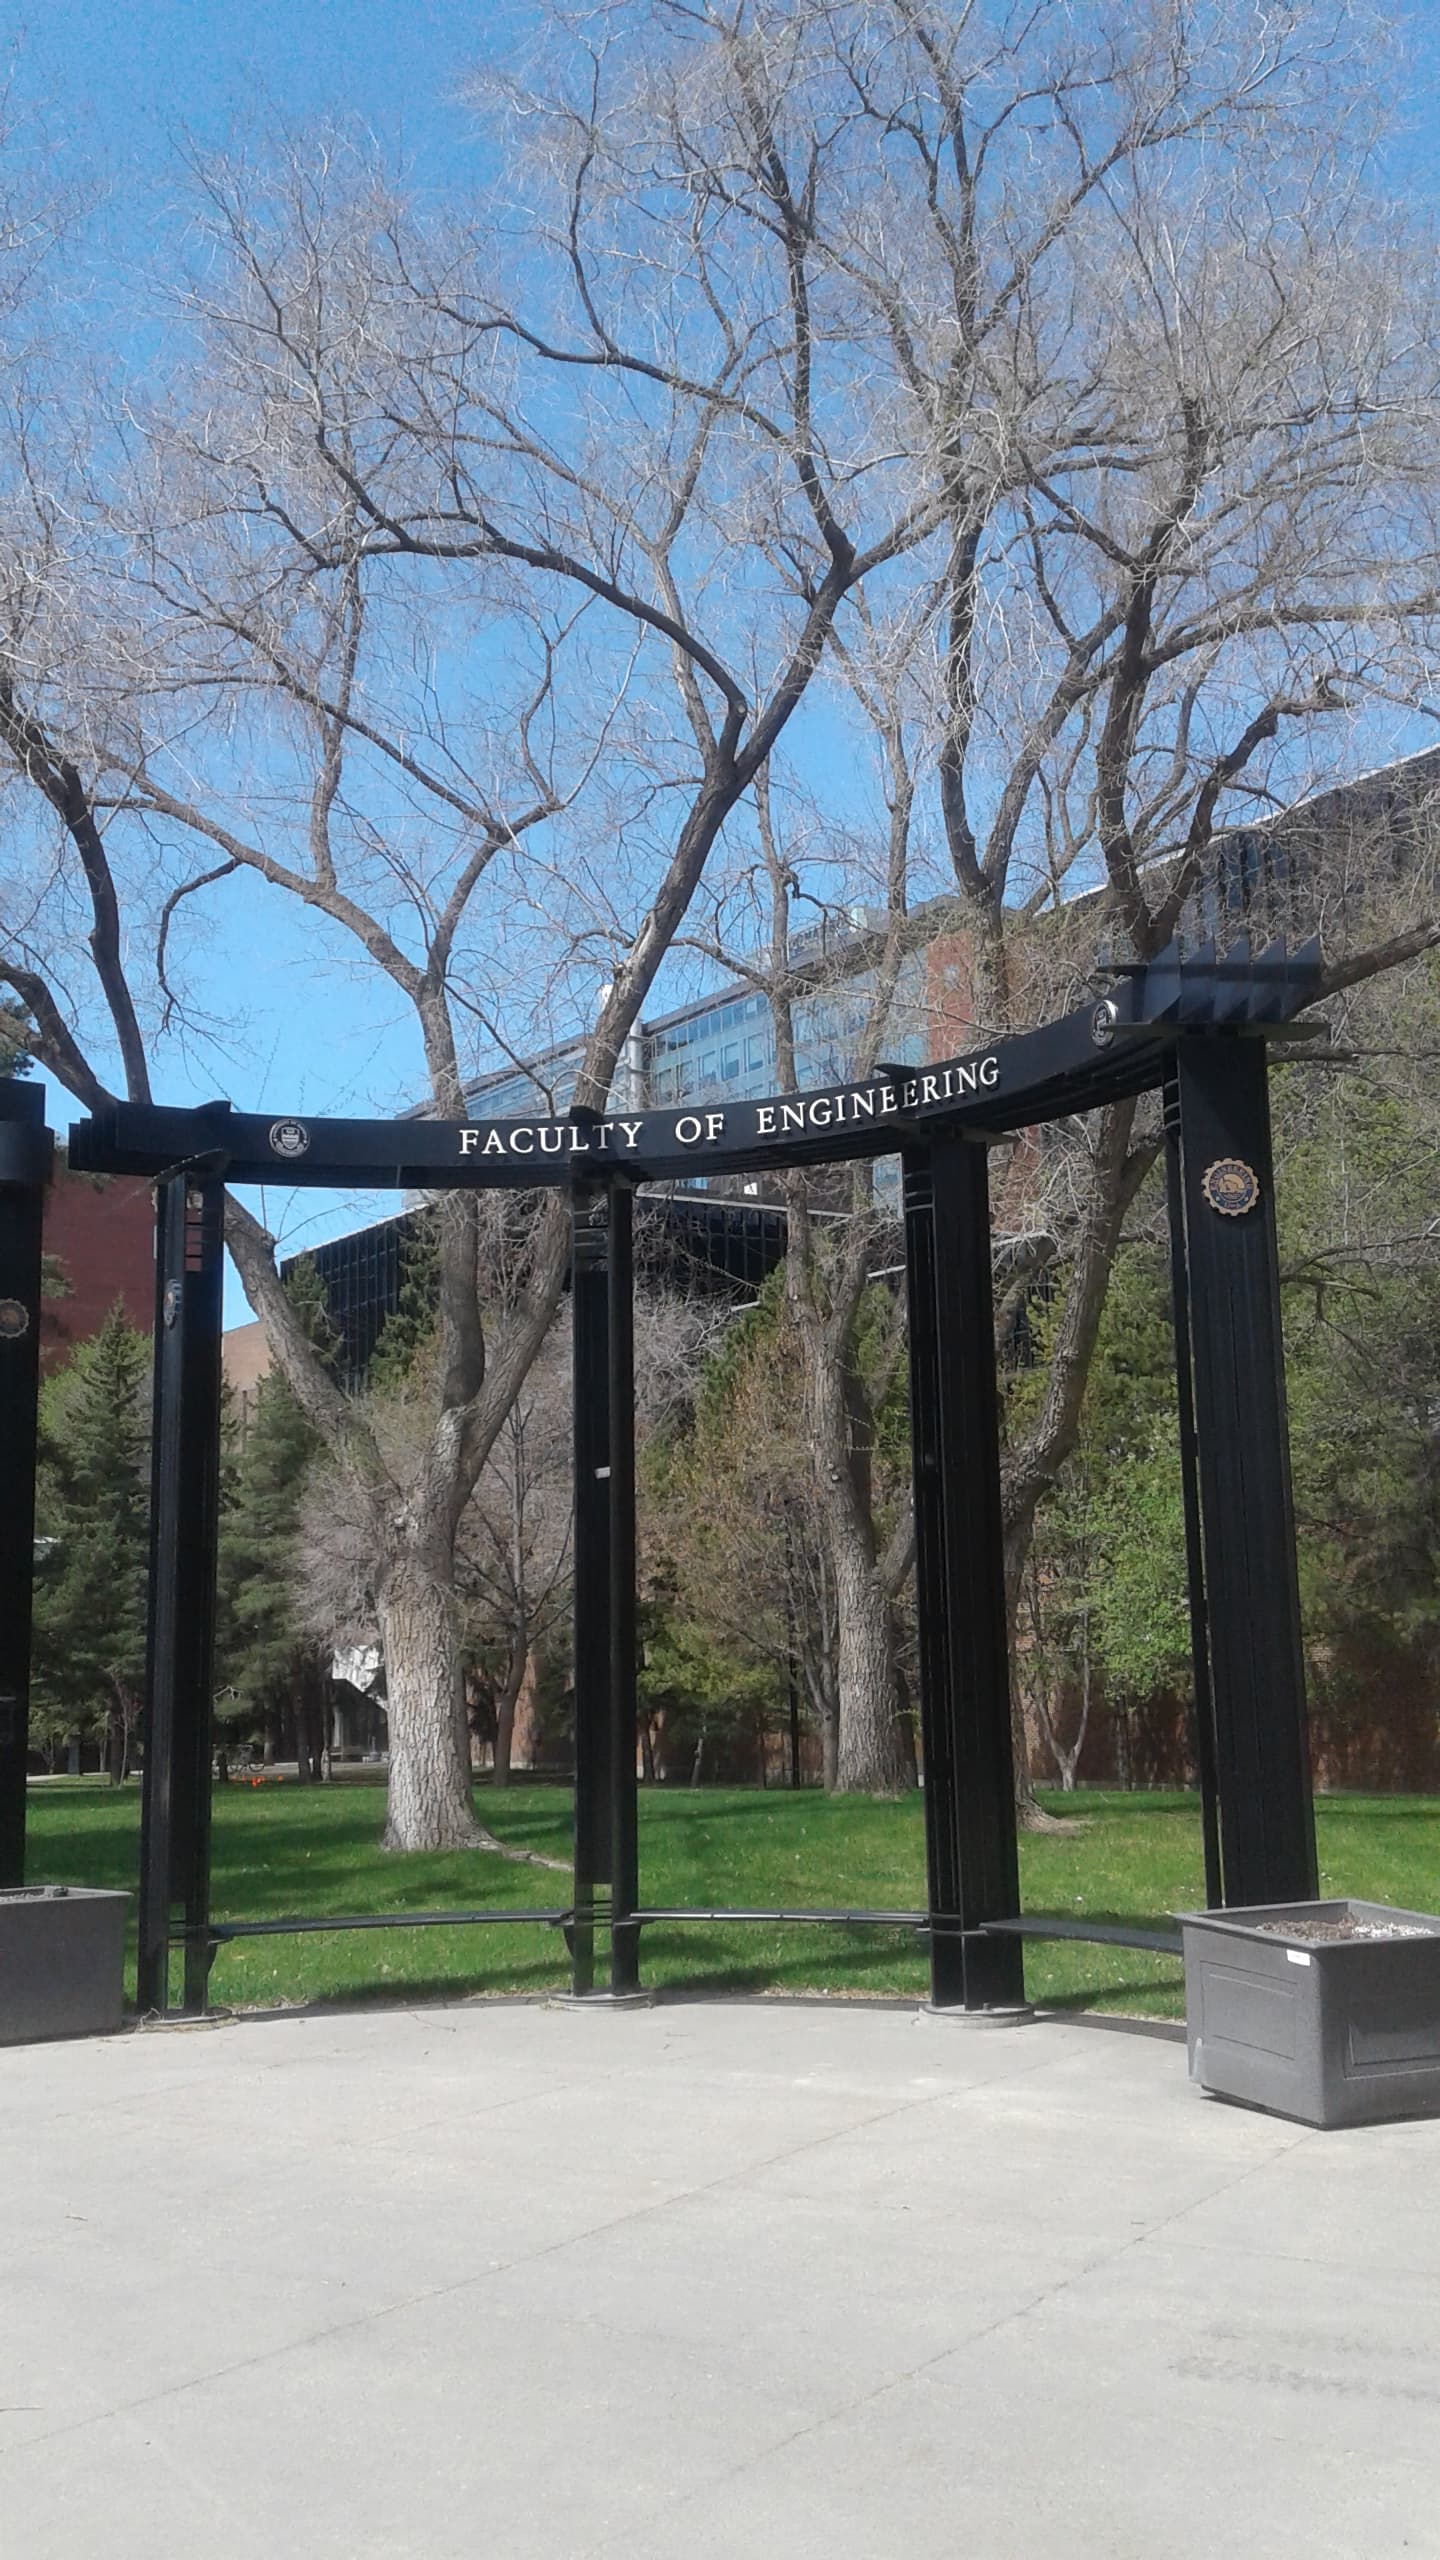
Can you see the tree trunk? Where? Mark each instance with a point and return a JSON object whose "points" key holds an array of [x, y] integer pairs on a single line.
{"points": [[505, 1706], [1031, 1469], [1031, 1813], [460, 1711], [817, 1670], [1072, 1757], [830, 1751], [876, 1751], [429, 1799], [308, 1711], [300, 1720], [526, 1738]]}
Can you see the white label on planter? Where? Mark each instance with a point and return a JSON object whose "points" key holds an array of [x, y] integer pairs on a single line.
{"points": [[1296, 1955]]}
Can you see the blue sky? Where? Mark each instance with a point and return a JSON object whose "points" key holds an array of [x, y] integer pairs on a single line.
{"points": [[122, 81], [133, 72], [126, 85], [126, 81]]}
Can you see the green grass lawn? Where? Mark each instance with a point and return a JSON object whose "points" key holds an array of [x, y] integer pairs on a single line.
{"points": [[288, 1849]]}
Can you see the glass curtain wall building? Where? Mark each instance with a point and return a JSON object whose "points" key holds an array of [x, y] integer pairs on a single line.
{"points": [[722, 1046]]}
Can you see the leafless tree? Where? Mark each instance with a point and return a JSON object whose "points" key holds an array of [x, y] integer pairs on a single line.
{"points": [[514, 1548], [473, 570], [842, 990], [351, 466], [1164, 370], [732, 1540]]}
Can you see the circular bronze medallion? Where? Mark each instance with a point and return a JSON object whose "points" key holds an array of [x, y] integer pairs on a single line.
{"points": [[1102, 1023], [289, 1138], [14, 1320], [1230, 1186]]}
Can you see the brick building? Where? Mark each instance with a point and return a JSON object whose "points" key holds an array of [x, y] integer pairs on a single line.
{"points": [[100, 1234]]}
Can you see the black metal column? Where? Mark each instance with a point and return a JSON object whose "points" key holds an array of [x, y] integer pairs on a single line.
{"points": [[184, 1521], [624, 1828], [1256, 1664], [24, 1172], [1204, 1704], [970, 1834], [590, 1368]]}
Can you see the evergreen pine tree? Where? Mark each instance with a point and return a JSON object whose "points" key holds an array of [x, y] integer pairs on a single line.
{"points": [[271, 1671], [92, 1508], [15, 1034], [409, 1329]]}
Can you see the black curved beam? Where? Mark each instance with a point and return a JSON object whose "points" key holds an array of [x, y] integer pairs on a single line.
{"points": [[1094, 1055], [1040, 1076]]}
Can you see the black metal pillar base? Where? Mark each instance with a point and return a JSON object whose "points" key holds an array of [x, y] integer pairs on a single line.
{"points": [[606, 1825], [1019, 2014], [972, 1861], [1252, 1601], [25, 1151], [184, 1523], [603, 2000]]}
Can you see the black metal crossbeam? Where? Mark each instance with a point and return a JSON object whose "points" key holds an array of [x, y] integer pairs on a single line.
{"points": [[791, 1916], [1096, 1933], [923, 1924], [1071, 1065], [1204, 989], [221, 1932]]}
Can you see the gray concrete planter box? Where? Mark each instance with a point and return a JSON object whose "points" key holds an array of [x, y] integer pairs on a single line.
{"points": [[62, 1962], [1328, 2012]]}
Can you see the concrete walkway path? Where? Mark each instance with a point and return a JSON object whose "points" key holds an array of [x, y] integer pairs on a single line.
{"points": [[697, 2282]]}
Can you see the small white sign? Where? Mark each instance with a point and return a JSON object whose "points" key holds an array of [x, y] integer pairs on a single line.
{"points": [[1296, 1955]]}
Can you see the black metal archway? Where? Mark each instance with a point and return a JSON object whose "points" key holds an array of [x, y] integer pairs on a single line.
{"points": [[1195, 1026]]}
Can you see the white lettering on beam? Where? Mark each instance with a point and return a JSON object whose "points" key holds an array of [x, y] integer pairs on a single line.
{"points": [[695, 1128]]}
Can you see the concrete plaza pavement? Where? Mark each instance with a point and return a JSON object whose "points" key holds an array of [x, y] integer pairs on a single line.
{"points": [[800, 2282]]}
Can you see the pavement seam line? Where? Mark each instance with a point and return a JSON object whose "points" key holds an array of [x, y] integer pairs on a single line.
{"points": [[912, 2373], [438, 2293]]}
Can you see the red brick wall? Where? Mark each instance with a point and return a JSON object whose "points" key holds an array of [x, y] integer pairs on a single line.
{"points": [[101, 1230], [949, 994], [950, 1015]]}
